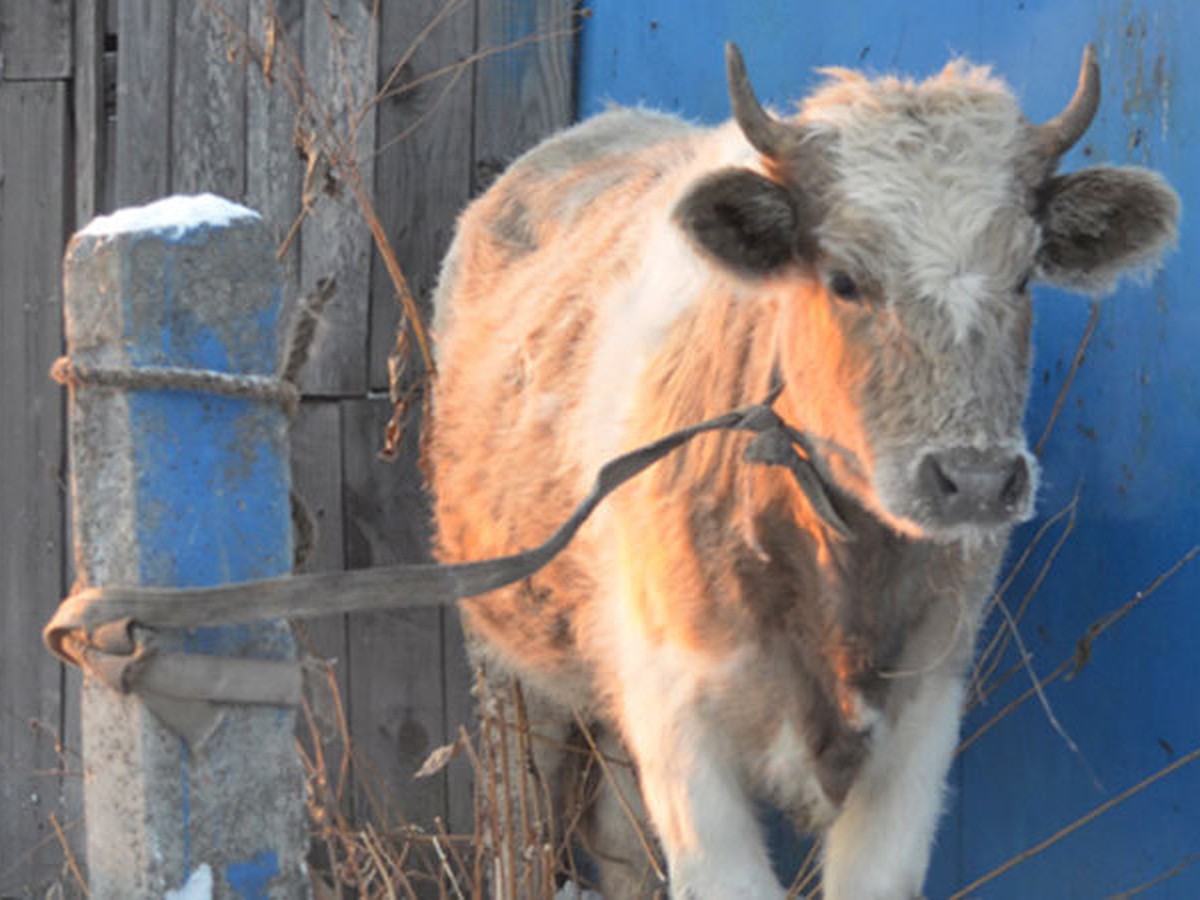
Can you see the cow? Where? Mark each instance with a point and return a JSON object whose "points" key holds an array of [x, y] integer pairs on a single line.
{"points": [[866, 263]]}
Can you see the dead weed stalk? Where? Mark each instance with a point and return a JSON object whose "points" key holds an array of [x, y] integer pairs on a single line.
{"points": [[516, 849]]}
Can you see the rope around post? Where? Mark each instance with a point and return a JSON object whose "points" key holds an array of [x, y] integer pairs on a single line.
{"points": [[71, 373], [281, 388]]}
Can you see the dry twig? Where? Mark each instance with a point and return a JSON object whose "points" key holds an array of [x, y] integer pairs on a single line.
{"points": [[1083, 649], [1076, 825], [1076, 362], [634, 822], [69, 856]]}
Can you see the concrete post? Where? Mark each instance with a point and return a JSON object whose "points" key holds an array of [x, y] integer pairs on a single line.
{"points": [[183, 489]]}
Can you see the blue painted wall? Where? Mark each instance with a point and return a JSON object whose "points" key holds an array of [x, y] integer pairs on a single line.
{"points": [[1128, 437]]}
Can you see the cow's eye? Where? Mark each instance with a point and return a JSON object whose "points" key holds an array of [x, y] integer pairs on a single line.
{"points": [[844, 286]]}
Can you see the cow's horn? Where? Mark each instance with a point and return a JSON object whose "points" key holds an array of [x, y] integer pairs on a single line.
{"points": [[768, 135], [1059, 135]]}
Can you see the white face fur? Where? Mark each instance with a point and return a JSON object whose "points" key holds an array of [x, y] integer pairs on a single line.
{"points": [[927, 216]]}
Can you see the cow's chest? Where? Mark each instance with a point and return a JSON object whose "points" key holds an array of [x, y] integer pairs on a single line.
{"points": [[840, 632]]}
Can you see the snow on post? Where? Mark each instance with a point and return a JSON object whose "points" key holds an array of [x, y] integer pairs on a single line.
{"points": [[176, 488]]}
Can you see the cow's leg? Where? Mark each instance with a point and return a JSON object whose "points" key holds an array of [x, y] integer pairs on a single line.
{"points": [[878, 847], [703, 816], [616, 831]]}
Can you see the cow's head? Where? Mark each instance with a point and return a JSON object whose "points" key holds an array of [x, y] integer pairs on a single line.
{"points": [[898, 226]]}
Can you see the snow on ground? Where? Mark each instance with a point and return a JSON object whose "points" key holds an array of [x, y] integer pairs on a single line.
{"points": [[199, 886]]}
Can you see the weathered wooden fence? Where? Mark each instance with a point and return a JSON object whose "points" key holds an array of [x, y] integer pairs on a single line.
{"points": [[107, 103], [36, 79]]}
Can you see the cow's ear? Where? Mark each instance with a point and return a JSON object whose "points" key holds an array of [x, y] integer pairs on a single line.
{"points": [[743, 219], [1102, 221]]}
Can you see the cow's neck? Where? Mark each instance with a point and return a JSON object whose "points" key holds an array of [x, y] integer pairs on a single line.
{"points": [[859, 621]]}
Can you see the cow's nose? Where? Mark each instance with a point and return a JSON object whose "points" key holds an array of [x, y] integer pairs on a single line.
{"points": [[968, 486]]}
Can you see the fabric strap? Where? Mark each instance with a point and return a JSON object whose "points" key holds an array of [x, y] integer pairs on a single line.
{"points": [[108, 630]]}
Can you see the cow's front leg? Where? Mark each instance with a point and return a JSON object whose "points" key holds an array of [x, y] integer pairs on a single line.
{"points": [[879, 846], [704, 819]]}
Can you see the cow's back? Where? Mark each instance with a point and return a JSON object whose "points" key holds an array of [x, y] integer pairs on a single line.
{"points": [[518, 315]]}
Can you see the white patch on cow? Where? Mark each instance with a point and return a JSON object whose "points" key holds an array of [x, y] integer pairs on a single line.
{"points": [[729, 147], [637, 314], [879, 846], [961, 297], [929, 166], [572, 891], [443, 294], [704, 819], [860, 715], [547, 407], [789, 776], [700, 810]]}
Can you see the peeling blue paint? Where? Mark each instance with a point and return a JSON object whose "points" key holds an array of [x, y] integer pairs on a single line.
{"points": [[212, 485], [250, 879]]}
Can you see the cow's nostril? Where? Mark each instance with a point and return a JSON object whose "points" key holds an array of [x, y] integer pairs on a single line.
{"points": [[939, 485], [1017, 484], [944, 482]]}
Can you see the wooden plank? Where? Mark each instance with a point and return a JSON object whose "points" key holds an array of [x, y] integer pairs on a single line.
{"points": [[423, 173], [423, 179], [317, 479], [274, 173], [339, 59], [208, 103], [92, 131], [35, 39], [108, 179], [143, 147], [395, 671], [88, 108], [33, 213], [523, 93], [460, 711]]}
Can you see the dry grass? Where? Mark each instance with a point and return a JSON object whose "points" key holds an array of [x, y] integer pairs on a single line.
{"points": [[520, 846]]}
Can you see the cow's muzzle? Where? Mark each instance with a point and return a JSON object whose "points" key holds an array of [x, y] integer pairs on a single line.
{"points": [[966, 486]]}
